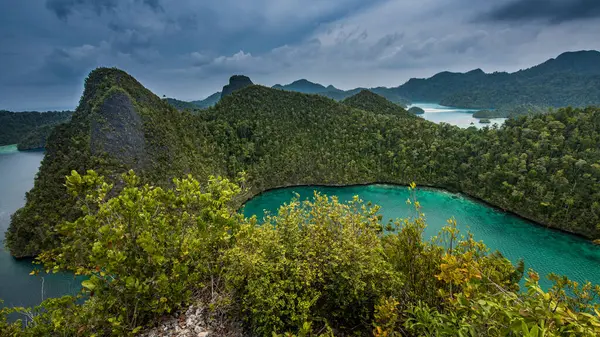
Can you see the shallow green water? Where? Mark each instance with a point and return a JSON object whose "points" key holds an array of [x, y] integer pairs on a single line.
{"points": [[17, 287], [543, 249]]}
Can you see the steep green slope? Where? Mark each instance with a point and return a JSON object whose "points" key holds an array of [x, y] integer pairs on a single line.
{"points": [[16, 125], [118, 125], [544, 167]]}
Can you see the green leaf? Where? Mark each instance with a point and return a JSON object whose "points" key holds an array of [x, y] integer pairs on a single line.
{"points": [[88, 284]]}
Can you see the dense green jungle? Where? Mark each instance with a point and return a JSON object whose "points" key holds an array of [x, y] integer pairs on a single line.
{"points": [[143, 199]]}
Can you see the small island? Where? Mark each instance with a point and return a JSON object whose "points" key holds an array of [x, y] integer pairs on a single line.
{"points": [[416, 110], [485, 121]]}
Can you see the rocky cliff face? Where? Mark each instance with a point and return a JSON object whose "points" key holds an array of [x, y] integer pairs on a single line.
{"points": [[119, 125], [117, 131], [236, 82]]}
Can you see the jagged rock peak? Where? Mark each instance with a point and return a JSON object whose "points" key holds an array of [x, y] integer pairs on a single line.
{"points": [[236, 82]]}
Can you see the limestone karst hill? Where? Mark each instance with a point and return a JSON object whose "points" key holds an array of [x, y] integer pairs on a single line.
{"points": [[530, 166]]}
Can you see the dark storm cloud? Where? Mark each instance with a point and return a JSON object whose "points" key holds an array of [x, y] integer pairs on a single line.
{"points": [[188, 48], [64, 8], [552, 11]]}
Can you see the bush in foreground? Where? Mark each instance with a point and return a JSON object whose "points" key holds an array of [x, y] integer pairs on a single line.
{"points": [[318, 267]]}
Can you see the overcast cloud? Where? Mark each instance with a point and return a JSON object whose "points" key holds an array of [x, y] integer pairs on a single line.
{"points": [[188, 48]]}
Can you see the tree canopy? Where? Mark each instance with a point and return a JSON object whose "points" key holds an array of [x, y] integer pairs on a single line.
{"points": [[23, 126], [153, 241], [542, 167]]}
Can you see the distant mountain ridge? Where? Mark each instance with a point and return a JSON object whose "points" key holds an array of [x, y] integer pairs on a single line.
{"points": [[570, 79], [308, 87], [193, 105], [573, 78], [208, 101]]}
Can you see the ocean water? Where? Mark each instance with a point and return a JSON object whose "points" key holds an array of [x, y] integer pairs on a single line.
{"points": [[544, 250], [455, 116], [17, 287]]}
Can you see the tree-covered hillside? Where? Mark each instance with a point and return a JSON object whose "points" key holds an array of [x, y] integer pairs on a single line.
{"points": [[194, 105], [572, 79], [14, 126], [36, 139], [208, 101], [150, 242], [512, 111], [181, 105], [546, 168], [368, 101], [118, 125]]}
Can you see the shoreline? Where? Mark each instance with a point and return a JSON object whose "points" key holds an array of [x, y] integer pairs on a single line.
{"points": [[531, 221]]}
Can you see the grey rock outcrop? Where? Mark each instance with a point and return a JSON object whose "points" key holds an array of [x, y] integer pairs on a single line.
{"points": [[236, 82]]}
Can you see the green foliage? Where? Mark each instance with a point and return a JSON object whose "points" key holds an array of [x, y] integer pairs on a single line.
{"points": [[181, 105], [317, 268], [369, 101], [36, 139], [145, 249], [542, 167], [16, 127], [195, 105], [6, 328], [319, 262], [53, 317], [511, 111], [416, 110], [171, 146], [507, 313]]}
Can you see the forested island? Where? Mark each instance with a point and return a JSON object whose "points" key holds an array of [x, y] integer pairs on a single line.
{"points": [[29, 129], [511, 111], [148, 212], [416, 110]]}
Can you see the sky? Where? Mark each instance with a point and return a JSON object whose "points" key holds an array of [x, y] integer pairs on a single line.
{"points": [[188, 49]]}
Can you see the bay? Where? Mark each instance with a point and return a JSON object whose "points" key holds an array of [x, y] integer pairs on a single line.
{"points": [[456, 116], [544, 250], [17, 287]]}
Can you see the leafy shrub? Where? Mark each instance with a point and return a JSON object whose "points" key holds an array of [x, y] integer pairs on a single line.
{"points": [[317, 268], [320, 262], [145, 249]]}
